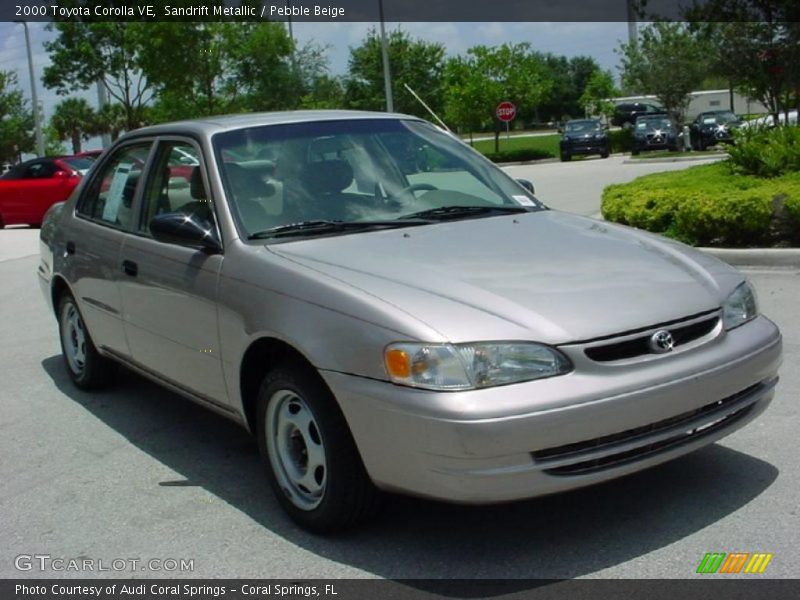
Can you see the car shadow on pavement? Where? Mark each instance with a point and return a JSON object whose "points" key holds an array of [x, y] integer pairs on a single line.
{"points": [[561, 536]]}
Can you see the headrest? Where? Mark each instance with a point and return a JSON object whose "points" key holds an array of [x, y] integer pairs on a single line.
{"points": [[246, 184], [327, 176], [196, 186]]}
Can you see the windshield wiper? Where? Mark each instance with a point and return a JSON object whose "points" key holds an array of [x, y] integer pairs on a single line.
{"points": [[322, 226], [454, 212]]}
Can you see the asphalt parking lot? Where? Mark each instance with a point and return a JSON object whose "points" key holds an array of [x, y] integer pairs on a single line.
{"points": [[136, 472]]}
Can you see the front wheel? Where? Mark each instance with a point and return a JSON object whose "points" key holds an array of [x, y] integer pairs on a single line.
{"points": [[87, 369], [314, 466]]}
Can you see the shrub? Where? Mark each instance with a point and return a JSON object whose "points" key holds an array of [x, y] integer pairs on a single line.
{"points": [[518, 155], [734, 220], [765, 152], [708, 205], [792, 205], [621, 140]]}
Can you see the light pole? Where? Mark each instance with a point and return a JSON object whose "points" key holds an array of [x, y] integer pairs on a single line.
{"points": [[387, 74], [37, 118]]}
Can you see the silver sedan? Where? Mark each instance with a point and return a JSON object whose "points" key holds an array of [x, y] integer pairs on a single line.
{"points": [[387, 311]]}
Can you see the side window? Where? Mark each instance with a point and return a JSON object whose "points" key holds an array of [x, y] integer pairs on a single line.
{"points": [[176, 185], [39, 170], [111, 194]]}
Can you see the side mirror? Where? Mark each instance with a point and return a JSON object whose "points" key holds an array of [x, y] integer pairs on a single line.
{"points": [[185, 230], [527, 184]]}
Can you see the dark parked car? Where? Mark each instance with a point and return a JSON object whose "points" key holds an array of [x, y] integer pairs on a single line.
{"points": [[31, 187], [584, 136], [625, 114], [654, 132], [715, 127]]}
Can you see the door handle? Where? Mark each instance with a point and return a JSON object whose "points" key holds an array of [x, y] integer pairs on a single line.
{"points": [[130, 268], [70, 249]]}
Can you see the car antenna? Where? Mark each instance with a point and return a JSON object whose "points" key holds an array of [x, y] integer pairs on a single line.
{"points": [[428, 108]]}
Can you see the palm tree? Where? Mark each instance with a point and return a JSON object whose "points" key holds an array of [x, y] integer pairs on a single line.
{"points": [[74, 119]]}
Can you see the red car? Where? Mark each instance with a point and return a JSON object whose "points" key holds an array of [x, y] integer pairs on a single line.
{"points": [[30, 188]]}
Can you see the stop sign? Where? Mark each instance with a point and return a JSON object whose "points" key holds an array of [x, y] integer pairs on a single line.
{"points": [[506, 111]]}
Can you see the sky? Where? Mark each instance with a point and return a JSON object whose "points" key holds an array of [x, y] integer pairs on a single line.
{"points": [[598, 40]]}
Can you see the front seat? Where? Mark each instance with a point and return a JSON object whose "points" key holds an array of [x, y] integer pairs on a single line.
{"points": [[320, 188], [246, 188]]}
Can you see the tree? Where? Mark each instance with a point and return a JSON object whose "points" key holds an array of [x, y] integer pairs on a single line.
{"points": [[477, 82], [269, 73], [596, 97], [413, 62], [111, 119], [53, 146], [667, 61], [84, 53], [16, 120], [192, 82], [569, 79], [75, 120], [755, 46]]}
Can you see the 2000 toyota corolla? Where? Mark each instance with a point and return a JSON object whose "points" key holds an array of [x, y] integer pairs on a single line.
{"points": [[387, 310]]}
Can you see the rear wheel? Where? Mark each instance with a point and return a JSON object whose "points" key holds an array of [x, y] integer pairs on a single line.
{"points": [[314, 466], [87, 369], [566, 157]]}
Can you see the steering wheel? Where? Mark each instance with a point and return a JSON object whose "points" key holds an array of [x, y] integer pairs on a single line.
{"points": [[414, 187]]}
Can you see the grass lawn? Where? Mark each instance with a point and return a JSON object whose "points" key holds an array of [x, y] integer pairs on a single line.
{"points": [[542, 143]]}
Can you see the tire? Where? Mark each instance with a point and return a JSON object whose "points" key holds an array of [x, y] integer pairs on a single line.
{"points": [[565, 157], [299, 427], [2, 222], [635, 152], [87, 369], [605, 153]]}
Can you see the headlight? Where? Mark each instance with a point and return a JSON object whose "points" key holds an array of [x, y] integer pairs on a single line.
{"points": [[740, 307], [453, 367]]}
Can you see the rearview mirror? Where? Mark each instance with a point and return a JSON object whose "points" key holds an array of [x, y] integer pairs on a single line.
{"points": [[527, 184], [185, 230]]}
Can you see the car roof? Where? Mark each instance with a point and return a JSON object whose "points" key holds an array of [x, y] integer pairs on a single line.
{"points": [[583, 121], [210, 125]]}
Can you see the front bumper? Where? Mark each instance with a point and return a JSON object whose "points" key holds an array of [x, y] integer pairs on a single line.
{"points": [[582, 148], [525, 440]]}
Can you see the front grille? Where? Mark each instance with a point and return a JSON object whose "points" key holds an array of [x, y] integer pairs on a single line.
{"points": [[639, 346], [607, 443]]}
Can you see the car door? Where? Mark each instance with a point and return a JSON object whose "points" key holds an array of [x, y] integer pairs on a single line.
{"points": [[169, 291], [93, 239], [28, 191]]}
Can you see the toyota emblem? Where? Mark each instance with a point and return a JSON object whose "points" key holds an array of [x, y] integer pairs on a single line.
{"points": [[661, 341]]}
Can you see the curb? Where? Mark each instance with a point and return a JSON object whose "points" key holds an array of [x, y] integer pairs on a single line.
{"points": [[783, 258], [670, 159], [526, 162]]}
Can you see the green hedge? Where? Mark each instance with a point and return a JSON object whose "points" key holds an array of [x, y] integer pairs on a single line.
{"points": [[518, 155], [709, 206], [621, 140]]}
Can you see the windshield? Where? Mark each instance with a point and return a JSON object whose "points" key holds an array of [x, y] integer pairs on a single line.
{"points": [[653, 123], [356, 171], [582, 126], [79, 163], [719, 118]]}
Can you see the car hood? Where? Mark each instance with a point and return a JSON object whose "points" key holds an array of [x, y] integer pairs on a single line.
{"points": [[555, 277]]}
